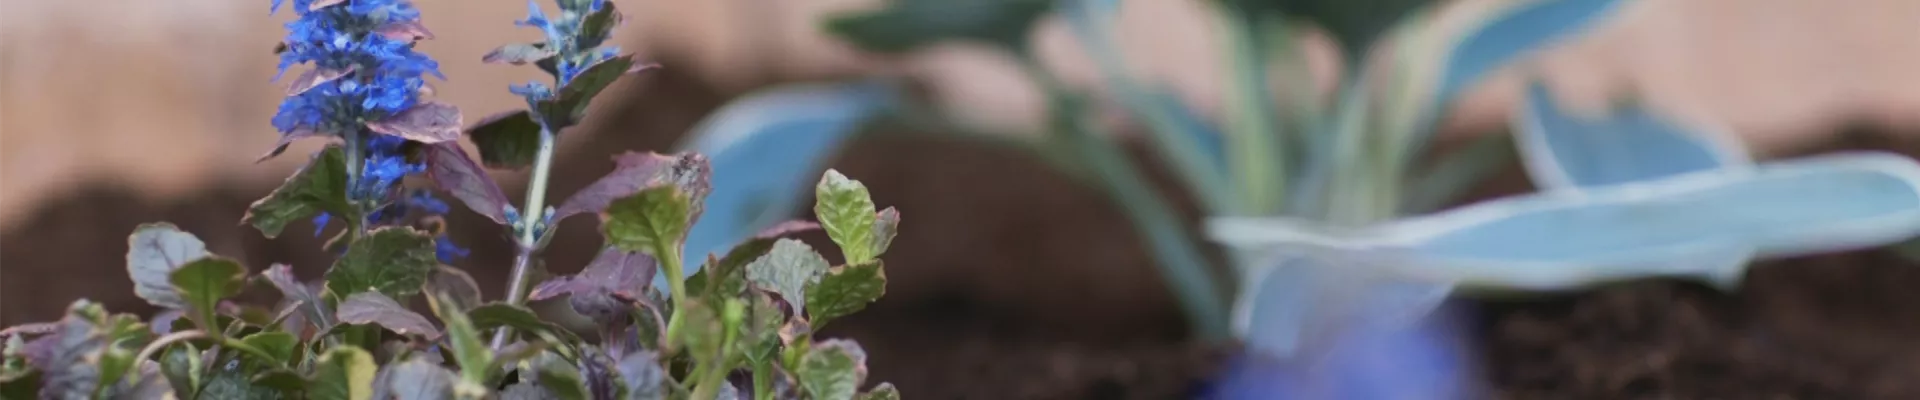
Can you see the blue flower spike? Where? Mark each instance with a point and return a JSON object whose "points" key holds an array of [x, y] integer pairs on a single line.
{"points": [[364, 76], [365, 84]]}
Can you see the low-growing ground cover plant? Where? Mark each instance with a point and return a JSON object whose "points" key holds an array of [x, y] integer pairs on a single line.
{"points": [[743, 326]]}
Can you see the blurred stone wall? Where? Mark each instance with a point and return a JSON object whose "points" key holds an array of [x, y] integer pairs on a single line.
{"points": [[169, 95]]}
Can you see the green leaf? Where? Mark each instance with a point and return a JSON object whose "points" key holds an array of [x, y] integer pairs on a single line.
{"points": [[181, 367], [204, 282], [378, 309], [518, 54], [284, 380], [569, 105], [562, 380], [344, 373], [507, 140], [321, 186], [419, 379], [393, 260], [845, 290], [280, 345], [883, 391], [154, 251], [701, 328], [847, 213], [521, 319], [598, 26], [233, 383], [760, 334], [732, 265], [885, 227], [787, 270], [463, 340], [428, 122], [907, 25], [833, 369], [24, 386], [652, 221]]}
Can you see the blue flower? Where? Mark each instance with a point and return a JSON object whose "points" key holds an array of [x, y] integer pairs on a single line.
{"points": [[385, 74], [446, 251], [320, 222], [384, 167]]}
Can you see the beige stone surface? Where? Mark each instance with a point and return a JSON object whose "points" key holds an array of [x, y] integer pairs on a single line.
{"points": [[170, 95]]}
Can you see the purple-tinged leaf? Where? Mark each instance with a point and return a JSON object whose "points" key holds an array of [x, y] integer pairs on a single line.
{"points": [[640, 372], [315, 77], [162, 322], [613, 272], [321, 186], [632, 171], [418, 379], [457, 285], [643, 68], [319, 4], [404, 31], [281, 276], [596, 291], [518, 54], [37, 328], [885, 227], [429, 123], [374, 308], [507, 140], [68, 358], [154, 251], [456, 173], [599, 373]]}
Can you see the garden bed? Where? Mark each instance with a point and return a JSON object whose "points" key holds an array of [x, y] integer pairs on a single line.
{"points": [[1011, 281]]}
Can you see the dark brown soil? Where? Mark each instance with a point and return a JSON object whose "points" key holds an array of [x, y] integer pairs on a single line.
{"points": [[1011, 281]]}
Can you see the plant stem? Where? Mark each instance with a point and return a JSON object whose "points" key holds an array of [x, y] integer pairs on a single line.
{"points": [[763, 381], [530, 220], [1177, 140], [1186, 270], [1258, 152]]}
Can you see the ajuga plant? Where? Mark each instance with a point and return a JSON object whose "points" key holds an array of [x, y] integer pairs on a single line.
{"points": [[745, 325], [1333, 219]]}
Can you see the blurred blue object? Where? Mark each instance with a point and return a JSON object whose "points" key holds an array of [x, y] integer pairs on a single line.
{"points": [[1428, 360], [1633, 144], [766, 149]]}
